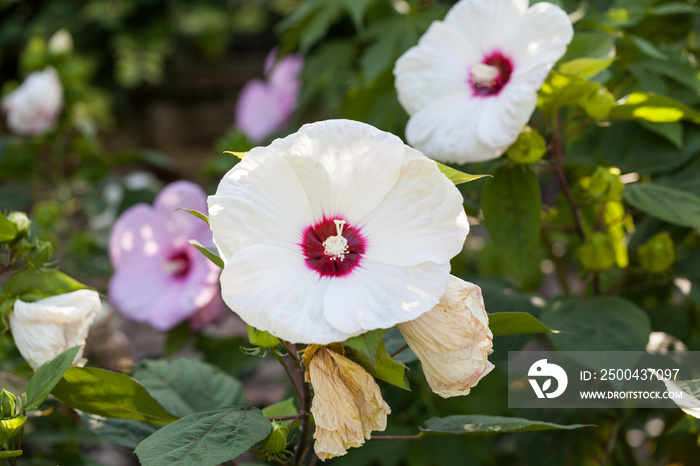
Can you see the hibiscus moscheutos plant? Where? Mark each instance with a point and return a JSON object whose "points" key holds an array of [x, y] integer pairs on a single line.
{"points": [[347, 404], [334, 231], [33, 108], [160, 278], [453, 340], [46, 328], [470, 85], [265, 106]]}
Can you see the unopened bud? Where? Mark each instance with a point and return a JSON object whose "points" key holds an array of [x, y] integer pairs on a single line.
{"points": [[20, 221], [61, 42], [596, 254], [41, 253], [8, 402], [261, 338], [277, 441], [658, 254], [528, 148], [604, 184]]}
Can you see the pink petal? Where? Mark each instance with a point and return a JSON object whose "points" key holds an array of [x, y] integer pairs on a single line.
{"points": [[182, 226], [138, 236]]}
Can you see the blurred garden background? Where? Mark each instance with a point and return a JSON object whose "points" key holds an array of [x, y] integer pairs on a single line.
{"points": [[157, 91]]}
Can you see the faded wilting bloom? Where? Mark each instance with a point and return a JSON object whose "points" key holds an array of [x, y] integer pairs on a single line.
{"points": [[265, 106], [347, 404], [453, 340], [46, 328], [333, 231], [33, 108], [159, 277], [470, 85]]}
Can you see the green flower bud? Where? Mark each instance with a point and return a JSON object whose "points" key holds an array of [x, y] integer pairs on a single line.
{"points": [[528, 148], [277, 441], [658, 254], [20, 221], [596, 254], [41, 253], [261, 338], [604, 184], [8, 403]]}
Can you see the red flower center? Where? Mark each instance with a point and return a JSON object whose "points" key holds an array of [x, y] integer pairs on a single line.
{"points": [[179, 264], [491, 75], [332, 247]]}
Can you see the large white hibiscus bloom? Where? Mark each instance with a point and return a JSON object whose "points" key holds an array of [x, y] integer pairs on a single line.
{"points": [[333, 231], [470, 85]]}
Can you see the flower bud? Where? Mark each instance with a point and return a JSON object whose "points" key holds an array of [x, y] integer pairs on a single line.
{"points": [[604, 184], [452, 340], [261, 338], [8, 403], [596, 254], [61, 42], [20, 221], [46, 328], [528, 148], [277, 441], [658, 254]]}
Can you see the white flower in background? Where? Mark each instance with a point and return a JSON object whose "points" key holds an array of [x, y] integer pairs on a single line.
{"points": [[33, 108], [46, 328], [347, 403], [453, 340], [61, 42], [470, 85], [333, 231]]}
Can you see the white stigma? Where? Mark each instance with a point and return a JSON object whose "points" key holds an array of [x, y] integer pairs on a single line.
{"points": [[484, 75], [336, 246]]}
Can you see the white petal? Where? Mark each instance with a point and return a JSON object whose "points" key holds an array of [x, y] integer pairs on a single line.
{"points": [[447, 130], [506, 114], [271, 288], [487, 24], [375, 295], [438, 66], [258, 202], [540, 41], [431, 226]]}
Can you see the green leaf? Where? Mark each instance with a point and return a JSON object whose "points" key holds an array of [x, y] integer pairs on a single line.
{"points": [[456, 176], [10, 453], [185, 386], [669, 204], [652, 107], [33, 284], [675, 8], [7, 229], [199, 215], [560, 90], [109, 394], [597, 323], [367, 343], [585, 67], [476, 423], [512, 204], [47, 376], [10, 429], [672, 131], [281, 409], [383, 367], [205, 439], [127, 433], [515, 323], [647, 48], [211, 253], [590, 45]]}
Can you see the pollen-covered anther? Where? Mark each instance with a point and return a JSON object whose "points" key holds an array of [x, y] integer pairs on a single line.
{"points": [[484, 75], [336, 246]]}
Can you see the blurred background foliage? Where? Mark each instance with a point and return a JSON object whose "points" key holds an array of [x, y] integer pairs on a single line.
{"points": [[150, 88]]}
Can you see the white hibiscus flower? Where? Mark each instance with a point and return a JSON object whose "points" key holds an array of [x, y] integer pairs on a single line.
{"points": [[470, 85], [333, 231]]}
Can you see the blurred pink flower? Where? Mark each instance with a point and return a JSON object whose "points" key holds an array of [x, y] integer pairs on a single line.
{"points": [[32, 109], [265, 106], [159, 278]]}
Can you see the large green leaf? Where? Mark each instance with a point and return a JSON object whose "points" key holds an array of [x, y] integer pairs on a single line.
{"points": [[652, 107], [512, 204], [204, 439], [127, 433], [31, 284], [597, 323], [109, 394], [383, 367], [514, 323], [7, 229], [47, 376], [476, 424], [668, 204], [367, 343], [186, 386]]}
